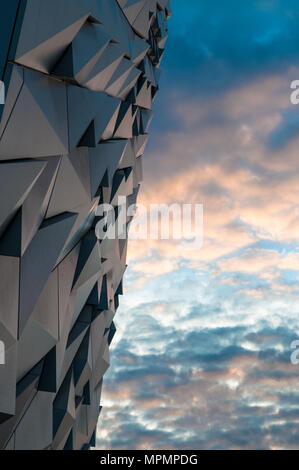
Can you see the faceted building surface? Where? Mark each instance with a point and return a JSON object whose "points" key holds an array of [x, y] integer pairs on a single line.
{"points": [[80, 77]]}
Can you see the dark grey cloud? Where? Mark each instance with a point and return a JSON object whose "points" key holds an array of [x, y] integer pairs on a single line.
{"points": [[222, 44], [286, 131]]}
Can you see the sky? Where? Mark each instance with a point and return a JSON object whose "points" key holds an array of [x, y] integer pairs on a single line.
{"points": [[201, 357]]}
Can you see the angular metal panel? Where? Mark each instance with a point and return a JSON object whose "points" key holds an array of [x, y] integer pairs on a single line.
{"points": [[80, 79]]}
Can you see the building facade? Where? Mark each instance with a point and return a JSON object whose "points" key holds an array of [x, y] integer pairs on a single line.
{"points": [[80, 77]]}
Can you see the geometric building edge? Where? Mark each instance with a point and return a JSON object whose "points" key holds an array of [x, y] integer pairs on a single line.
{"points": [[80, 78]]}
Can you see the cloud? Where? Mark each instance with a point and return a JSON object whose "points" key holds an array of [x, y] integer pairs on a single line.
{"points": [[201, 359], [286, 131], [227, 388], [219, 46]]}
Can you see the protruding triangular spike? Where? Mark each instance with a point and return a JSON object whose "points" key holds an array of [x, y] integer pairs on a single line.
{"points": [[39, 260]]}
